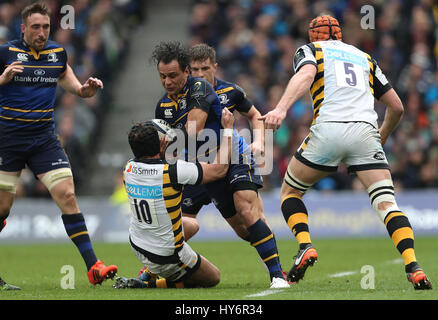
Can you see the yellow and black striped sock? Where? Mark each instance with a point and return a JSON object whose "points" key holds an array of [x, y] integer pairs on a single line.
{"points": [[295, 214], [401, 233]]}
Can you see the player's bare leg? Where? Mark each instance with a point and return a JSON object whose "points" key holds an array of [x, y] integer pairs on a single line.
{"points": [[190, 225], [6, 199], [8, 183], [380, 188], [298, 179], [261, 237]]}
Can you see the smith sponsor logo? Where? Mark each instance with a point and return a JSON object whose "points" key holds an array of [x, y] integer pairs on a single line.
{"points": [[143, 171], [144, 192]]}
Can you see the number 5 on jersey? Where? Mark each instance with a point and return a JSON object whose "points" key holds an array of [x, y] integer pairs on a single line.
{"points": [[349, 75]]}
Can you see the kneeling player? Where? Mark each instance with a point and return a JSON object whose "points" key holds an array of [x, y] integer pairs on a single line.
{"points": [[155, 189]]}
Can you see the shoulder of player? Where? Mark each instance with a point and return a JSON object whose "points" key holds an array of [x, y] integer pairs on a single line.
{"points": [[223, 86], [195, 85], [13, 45]]}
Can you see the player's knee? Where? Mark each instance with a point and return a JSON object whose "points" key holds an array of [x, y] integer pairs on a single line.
{"points": [[215, 278], [382, 198], [190, 226], [67, 200], [52, 178], [293, 186]]}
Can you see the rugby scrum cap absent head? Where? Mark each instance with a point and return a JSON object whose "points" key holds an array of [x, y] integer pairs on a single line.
{"points": [[324, 28]]}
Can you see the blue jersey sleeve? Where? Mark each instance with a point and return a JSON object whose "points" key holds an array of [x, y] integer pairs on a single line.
{"points": [[3, 56], [242, 102], [202, 95]]}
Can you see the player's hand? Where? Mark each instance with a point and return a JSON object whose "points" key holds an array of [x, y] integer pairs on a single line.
{"points": [[13, 69], [273, 119], [163, 146], [227, 120], [90, 87]]}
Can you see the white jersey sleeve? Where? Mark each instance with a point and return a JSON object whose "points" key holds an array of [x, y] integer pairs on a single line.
{"points": [[183, 172], [303, 56]]}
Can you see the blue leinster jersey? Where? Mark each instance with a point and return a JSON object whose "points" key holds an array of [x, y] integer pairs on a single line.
{"points": [[27, 103], [197, 93]]}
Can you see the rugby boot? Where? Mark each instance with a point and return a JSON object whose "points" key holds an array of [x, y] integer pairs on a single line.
{"points": [[5, 286], [419, 279], [100, 272], [129, 283], [3, 225], [279, 283], [305, 257], [285, 277]]}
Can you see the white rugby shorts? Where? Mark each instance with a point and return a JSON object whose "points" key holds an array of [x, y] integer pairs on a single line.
{"points": [[188, 262], [356, 144]]}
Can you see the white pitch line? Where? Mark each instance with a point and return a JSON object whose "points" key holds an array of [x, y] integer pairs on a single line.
{"points": [[395, 261], [264, 293], [342, 274]]}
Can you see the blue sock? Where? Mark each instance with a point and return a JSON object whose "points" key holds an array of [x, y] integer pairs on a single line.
{"points": [[262, 238], [77, 231]]}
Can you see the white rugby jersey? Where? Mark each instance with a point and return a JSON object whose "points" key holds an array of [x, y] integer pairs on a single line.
{"points": [[346, 82], [154, 189]]}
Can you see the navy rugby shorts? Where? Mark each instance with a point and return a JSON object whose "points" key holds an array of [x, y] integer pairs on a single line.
{"points": [[241, 176], [41, 153]]}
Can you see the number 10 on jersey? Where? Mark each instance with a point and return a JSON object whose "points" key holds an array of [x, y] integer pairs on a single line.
{"points": [[143, 211]]}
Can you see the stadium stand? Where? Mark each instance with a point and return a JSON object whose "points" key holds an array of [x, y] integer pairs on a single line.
{"points": [[255, 42]]}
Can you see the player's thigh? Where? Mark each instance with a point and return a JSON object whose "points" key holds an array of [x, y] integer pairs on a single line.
{"points": [[299, 174], [369, 177], [207, 275]]}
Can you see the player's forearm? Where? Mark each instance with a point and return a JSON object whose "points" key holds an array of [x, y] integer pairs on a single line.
{"points": [[393, 114], [258, 129], [70, 83], [298, 85], [390, 122]]}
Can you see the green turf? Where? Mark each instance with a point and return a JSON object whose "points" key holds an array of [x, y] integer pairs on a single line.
{"points": [[36, 268]]}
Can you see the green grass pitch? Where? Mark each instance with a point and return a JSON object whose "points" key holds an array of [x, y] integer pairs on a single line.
{"points": [[37, 269]]}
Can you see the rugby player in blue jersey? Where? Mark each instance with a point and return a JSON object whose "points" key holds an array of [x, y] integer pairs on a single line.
{"points": [[203, 65], [190, 100], [31, 68]]}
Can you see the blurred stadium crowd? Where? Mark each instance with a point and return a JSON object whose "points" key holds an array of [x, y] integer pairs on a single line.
{"points": [[255, 43], [95, 47]]}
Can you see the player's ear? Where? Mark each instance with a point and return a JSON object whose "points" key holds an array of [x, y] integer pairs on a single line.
{"points": [[187, 70]]}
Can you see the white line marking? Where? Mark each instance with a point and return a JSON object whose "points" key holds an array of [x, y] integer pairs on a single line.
{"points": [[342, 274], [264, 293], [395, 261]]}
